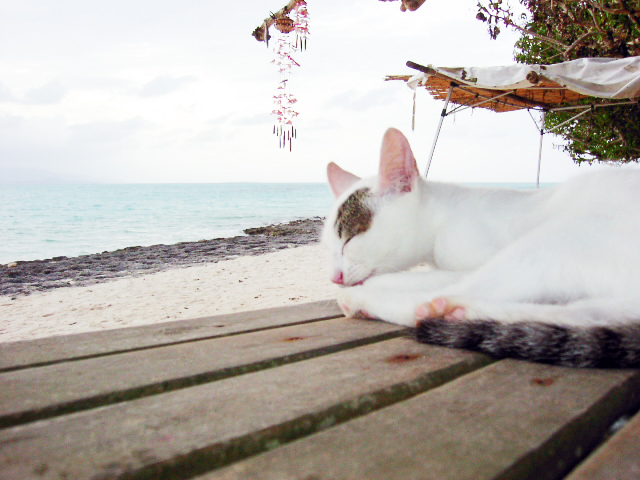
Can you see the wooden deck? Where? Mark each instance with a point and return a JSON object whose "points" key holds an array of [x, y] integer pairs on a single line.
{"points": [[302, 393]]}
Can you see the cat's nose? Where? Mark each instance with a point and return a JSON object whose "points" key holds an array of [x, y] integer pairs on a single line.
{"points": [[338, 278]]}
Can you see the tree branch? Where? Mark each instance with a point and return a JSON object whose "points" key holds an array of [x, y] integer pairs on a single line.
{"points": [[261, 33], [537, 35], [575, 44]]}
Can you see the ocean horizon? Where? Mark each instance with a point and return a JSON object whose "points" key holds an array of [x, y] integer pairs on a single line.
{"points": [[43, 221]]}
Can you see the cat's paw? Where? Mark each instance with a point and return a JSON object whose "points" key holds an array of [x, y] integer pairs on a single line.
{"points": [[371, 303], [350, 312], [441, 308], [350, 303]]}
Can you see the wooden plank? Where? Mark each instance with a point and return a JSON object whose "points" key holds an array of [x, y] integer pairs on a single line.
{"points": [[83, 345], [510, 420], [189, 431], [35, 393], [616, 459]]}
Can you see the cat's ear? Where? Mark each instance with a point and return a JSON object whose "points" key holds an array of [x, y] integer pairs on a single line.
{"points": [[339, 179], [398, 169]]}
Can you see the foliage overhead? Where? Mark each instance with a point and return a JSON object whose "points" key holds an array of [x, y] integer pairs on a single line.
{"points": [[555, 31]]}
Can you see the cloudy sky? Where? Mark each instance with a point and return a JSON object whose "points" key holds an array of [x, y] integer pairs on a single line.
{"points": [[162, 91]]}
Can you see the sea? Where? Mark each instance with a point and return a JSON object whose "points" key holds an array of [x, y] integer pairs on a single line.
{"points": [[38, 222]]}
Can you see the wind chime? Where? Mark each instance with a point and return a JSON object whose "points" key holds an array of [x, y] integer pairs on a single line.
{"points": [[296, 21]]}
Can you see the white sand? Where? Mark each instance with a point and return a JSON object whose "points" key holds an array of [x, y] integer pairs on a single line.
{"points": [[286, 277]]}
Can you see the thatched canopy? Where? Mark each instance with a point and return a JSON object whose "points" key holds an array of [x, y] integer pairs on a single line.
{"points": [[545, 95], [531, 86]]}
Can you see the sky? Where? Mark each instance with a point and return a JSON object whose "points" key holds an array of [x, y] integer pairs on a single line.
{"points": [[141, 91]]}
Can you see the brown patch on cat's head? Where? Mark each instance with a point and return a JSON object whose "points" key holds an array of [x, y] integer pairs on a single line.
{"points": [[354, 215]]}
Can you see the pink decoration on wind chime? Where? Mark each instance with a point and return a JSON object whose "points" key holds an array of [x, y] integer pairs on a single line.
{"points": [[285, 47]]}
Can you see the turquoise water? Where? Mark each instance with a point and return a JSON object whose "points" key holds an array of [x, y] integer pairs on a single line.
{"points": [[45, 221]]}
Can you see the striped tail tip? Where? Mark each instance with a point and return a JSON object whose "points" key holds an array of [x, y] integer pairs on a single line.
{"points": [[615, 346]]}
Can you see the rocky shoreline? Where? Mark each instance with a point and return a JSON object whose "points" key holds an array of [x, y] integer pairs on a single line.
{"points": [[23, 278]]}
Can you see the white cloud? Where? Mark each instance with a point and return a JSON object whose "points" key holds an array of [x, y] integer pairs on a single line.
{"points": [[5, 94], [105, 131], [164, 85], [10, 121], [361, 101], [209, 135], [50, 93], [263, 118]]}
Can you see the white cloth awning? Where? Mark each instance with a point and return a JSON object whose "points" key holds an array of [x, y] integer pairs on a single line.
{"points": [[597, 77]]}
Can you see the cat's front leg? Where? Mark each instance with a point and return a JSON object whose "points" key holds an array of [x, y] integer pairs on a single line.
{"points": [[409, 308], [392, 297], [366, 302]]}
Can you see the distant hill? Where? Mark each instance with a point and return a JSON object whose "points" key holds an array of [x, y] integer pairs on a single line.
{"points": [[22, 176]]}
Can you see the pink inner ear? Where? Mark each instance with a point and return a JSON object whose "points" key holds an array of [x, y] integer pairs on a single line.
{"points": [[398, 169], [339, 179]]}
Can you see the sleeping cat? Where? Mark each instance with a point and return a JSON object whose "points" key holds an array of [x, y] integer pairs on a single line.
{"points": [[549, 275]]}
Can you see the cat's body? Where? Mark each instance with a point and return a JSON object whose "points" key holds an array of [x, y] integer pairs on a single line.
{"points": [[549, 275]]}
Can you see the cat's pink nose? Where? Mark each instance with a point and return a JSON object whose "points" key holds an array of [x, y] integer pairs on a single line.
{"points": [[338, 278]]}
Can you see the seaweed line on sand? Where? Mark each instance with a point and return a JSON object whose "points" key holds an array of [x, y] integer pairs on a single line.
{"points": [[25, 277]]}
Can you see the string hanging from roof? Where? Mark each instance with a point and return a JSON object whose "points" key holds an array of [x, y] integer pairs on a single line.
{"points": [[293, 27]]}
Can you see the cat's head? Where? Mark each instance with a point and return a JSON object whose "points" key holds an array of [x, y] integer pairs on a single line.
{"points": [[371, 229]]}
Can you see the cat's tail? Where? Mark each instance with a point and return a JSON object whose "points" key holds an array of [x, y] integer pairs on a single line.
{"points": [[602, 346]]}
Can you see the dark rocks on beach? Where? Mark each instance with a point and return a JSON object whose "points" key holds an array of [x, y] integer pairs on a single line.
{"points": [[296, 228], [25, 277]]}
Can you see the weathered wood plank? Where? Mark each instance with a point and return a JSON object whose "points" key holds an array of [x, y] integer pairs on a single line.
{"points": [[188, 431], [510, 420], [83, 345], [41, 392], [617, 459]]}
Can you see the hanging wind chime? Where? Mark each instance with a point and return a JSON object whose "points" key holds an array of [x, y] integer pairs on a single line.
{"points": [[294, 29]]}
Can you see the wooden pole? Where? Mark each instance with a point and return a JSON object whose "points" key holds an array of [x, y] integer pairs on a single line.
{"points": [[544, 115], [442, 115]]}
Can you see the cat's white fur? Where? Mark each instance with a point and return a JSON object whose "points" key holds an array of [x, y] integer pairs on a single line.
{"points": [[567, 255]]}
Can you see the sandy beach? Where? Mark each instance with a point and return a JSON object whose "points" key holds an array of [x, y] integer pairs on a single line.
{"points": [[293, 274]]}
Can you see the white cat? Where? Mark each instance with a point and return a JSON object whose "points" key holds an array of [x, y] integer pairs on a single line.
{"points": [[550, 275]]}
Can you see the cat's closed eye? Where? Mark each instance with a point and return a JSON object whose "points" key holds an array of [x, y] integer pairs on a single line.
{"points": [[344, 245], [354, 215]]}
